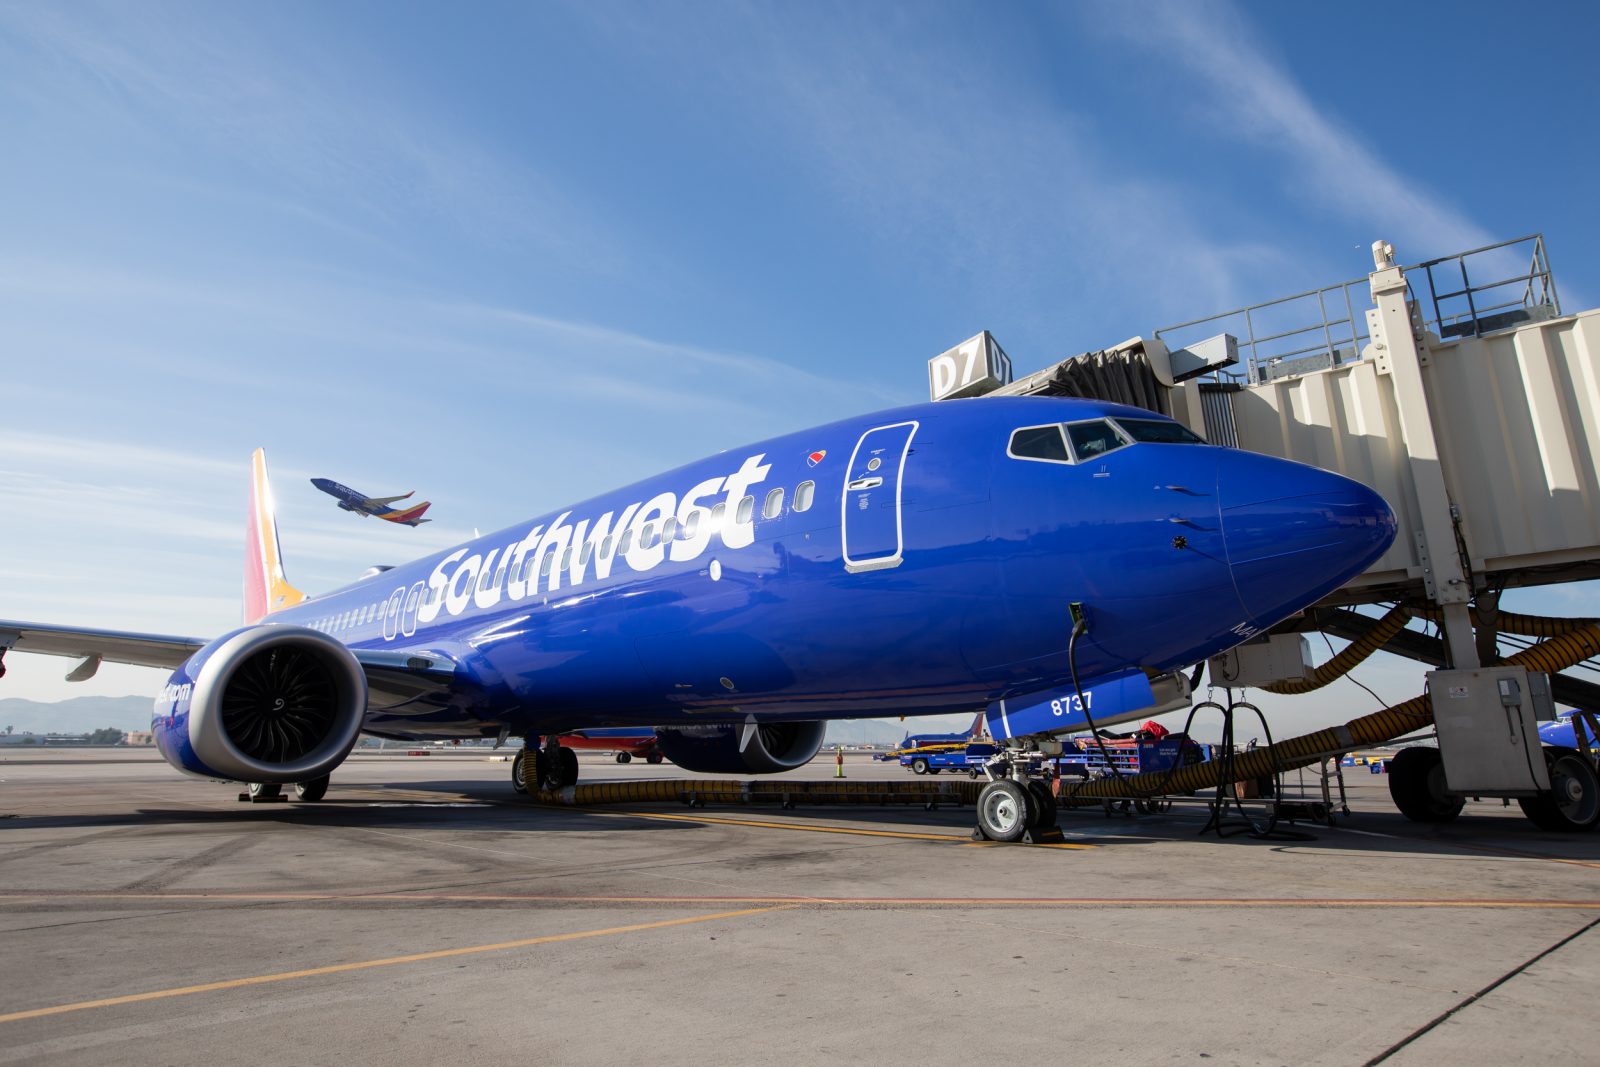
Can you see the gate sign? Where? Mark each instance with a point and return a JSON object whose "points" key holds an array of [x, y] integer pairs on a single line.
{"points": [[974, 367]]}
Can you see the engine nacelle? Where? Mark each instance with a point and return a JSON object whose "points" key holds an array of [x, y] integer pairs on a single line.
{"points": [[262, 704], [714, 749]]}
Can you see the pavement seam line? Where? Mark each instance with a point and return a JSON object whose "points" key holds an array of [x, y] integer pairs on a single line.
{"points": [[390, 961], [1445, 1016]]}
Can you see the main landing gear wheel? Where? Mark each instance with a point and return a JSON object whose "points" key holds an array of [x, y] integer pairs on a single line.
{"points": [[653, 759], [1417, 785], [519, 779], [265, 791], [1573, 803], [1006, 809], [624, 757], [312, 791], [919, 766]]}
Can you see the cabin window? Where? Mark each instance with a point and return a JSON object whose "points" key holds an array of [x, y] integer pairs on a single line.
{"points": [[1090, 439], [626, 544], [566, 558], [690, 525], [1159, 431], [548, 565], [1039, 442], [803, 494], [747, 508], [585, 552], [773, 506], [605, 546], [647, 535], [669, 529], [719, 513]]}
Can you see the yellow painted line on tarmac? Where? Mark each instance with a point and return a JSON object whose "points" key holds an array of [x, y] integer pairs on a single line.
{"points": [[770, 902], [903, 835], [341, 968]]}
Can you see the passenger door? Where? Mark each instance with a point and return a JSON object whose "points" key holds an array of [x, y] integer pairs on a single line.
{"points": [[871, 517]]}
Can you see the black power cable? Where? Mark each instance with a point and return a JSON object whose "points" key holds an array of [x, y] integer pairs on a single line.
{"points": [[1080, 626]]}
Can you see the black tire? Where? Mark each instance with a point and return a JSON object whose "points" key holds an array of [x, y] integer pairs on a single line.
{"points": [[1417, 786], [1573, 804], [1046, 817], [519, 780], [1005, 810], [312, 791], [653, 759], [935, 770], [919, 766], [624, 757], [265, 790], [565, 771], [973, 773]]}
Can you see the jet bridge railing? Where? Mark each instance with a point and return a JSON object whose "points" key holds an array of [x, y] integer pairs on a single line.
{"points": [[1321, 328]]}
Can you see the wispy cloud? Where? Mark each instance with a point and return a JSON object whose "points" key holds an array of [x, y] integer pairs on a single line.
{"points": [[1242, 92], [328, 120], [986, 183]]}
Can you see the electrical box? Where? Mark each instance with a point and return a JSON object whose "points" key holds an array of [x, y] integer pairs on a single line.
{"points": [[1279, 658], [1488, 729]]}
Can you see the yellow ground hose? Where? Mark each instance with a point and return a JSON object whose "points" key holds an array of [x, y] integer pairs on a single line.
{"points": [[1378, 635], [1558, 653], [1357, 651], [1513, 622]]}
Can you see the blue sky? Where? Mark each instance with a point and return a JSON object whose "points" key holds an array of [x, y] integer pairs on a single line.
{"points": [[512, 255]]}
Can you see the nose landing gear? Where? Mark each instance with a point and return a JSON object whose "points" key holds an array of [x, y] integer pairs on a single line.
{"points": [[1018, 803]]}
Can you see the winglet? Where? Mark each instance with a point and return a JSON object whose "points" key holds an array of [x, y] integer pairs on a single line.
{"points": [[265, 588]]}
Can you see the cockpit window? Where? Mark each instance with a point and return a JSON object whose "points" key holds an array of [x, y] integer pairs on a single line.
{"points": [[1090, 439], [1039, 442], [1159, 431]]}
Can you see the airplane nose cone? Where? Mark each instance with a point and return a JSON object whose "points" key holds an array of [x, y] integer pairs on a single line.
{"points": [[1296, 533]]}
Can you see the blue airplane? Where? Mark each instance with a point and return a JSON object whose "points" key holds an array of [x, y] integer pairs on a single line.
{"points": [[1020, 556], [378, 506], [1563, 734]]}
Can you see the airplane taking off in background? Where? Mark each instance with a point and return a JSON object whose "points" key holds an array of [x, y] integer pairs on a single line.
{"points": [[1033, 557], [350, 500]]}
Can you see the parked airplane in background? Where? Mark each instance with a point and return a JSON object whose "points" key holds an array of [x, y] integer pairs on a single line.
{"points": [[1037, 558], [626, 741], [350, 500]]}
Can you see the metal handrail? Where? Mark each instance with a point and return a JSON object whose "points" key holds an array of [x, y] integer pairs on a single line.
{"points": [[1538, 290]]}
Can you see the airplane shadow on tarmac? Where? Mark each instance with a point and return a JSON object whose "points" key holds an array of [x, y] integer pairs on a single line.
{"points": [[475, 806]]}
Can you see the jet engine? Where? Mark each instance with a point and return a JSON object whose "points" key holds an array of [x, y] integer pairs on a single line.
{"points": [[262, 704], [773, 747]]}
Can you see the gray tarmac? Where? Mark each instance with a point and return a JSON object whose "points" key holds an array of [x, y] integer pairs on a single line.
{"points": [[426, 915]]}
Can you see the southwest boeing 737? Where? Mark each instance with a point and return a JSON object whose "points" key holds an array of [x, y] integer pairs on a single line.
{"points": [[350, 500], [1047, 561]]}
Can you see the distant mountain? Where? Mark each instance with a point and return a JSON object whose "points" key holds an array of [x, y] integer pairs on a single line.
{"points": [[893, 731], [75, 716]]}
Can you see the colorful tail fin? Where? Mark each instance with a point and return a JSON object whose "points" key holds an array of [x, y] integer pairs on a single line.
{"points": [[410, 516], [265, 588]]}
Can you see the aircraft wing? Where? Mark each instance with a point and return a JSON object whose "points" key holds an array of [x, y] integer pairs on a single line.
{"points": [[387, 499], [393, 678], [112, 646]]}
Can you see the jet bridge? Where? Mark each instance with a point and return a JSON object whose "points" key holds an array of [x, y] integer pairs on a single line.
{"points": [[1458, 389]]}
